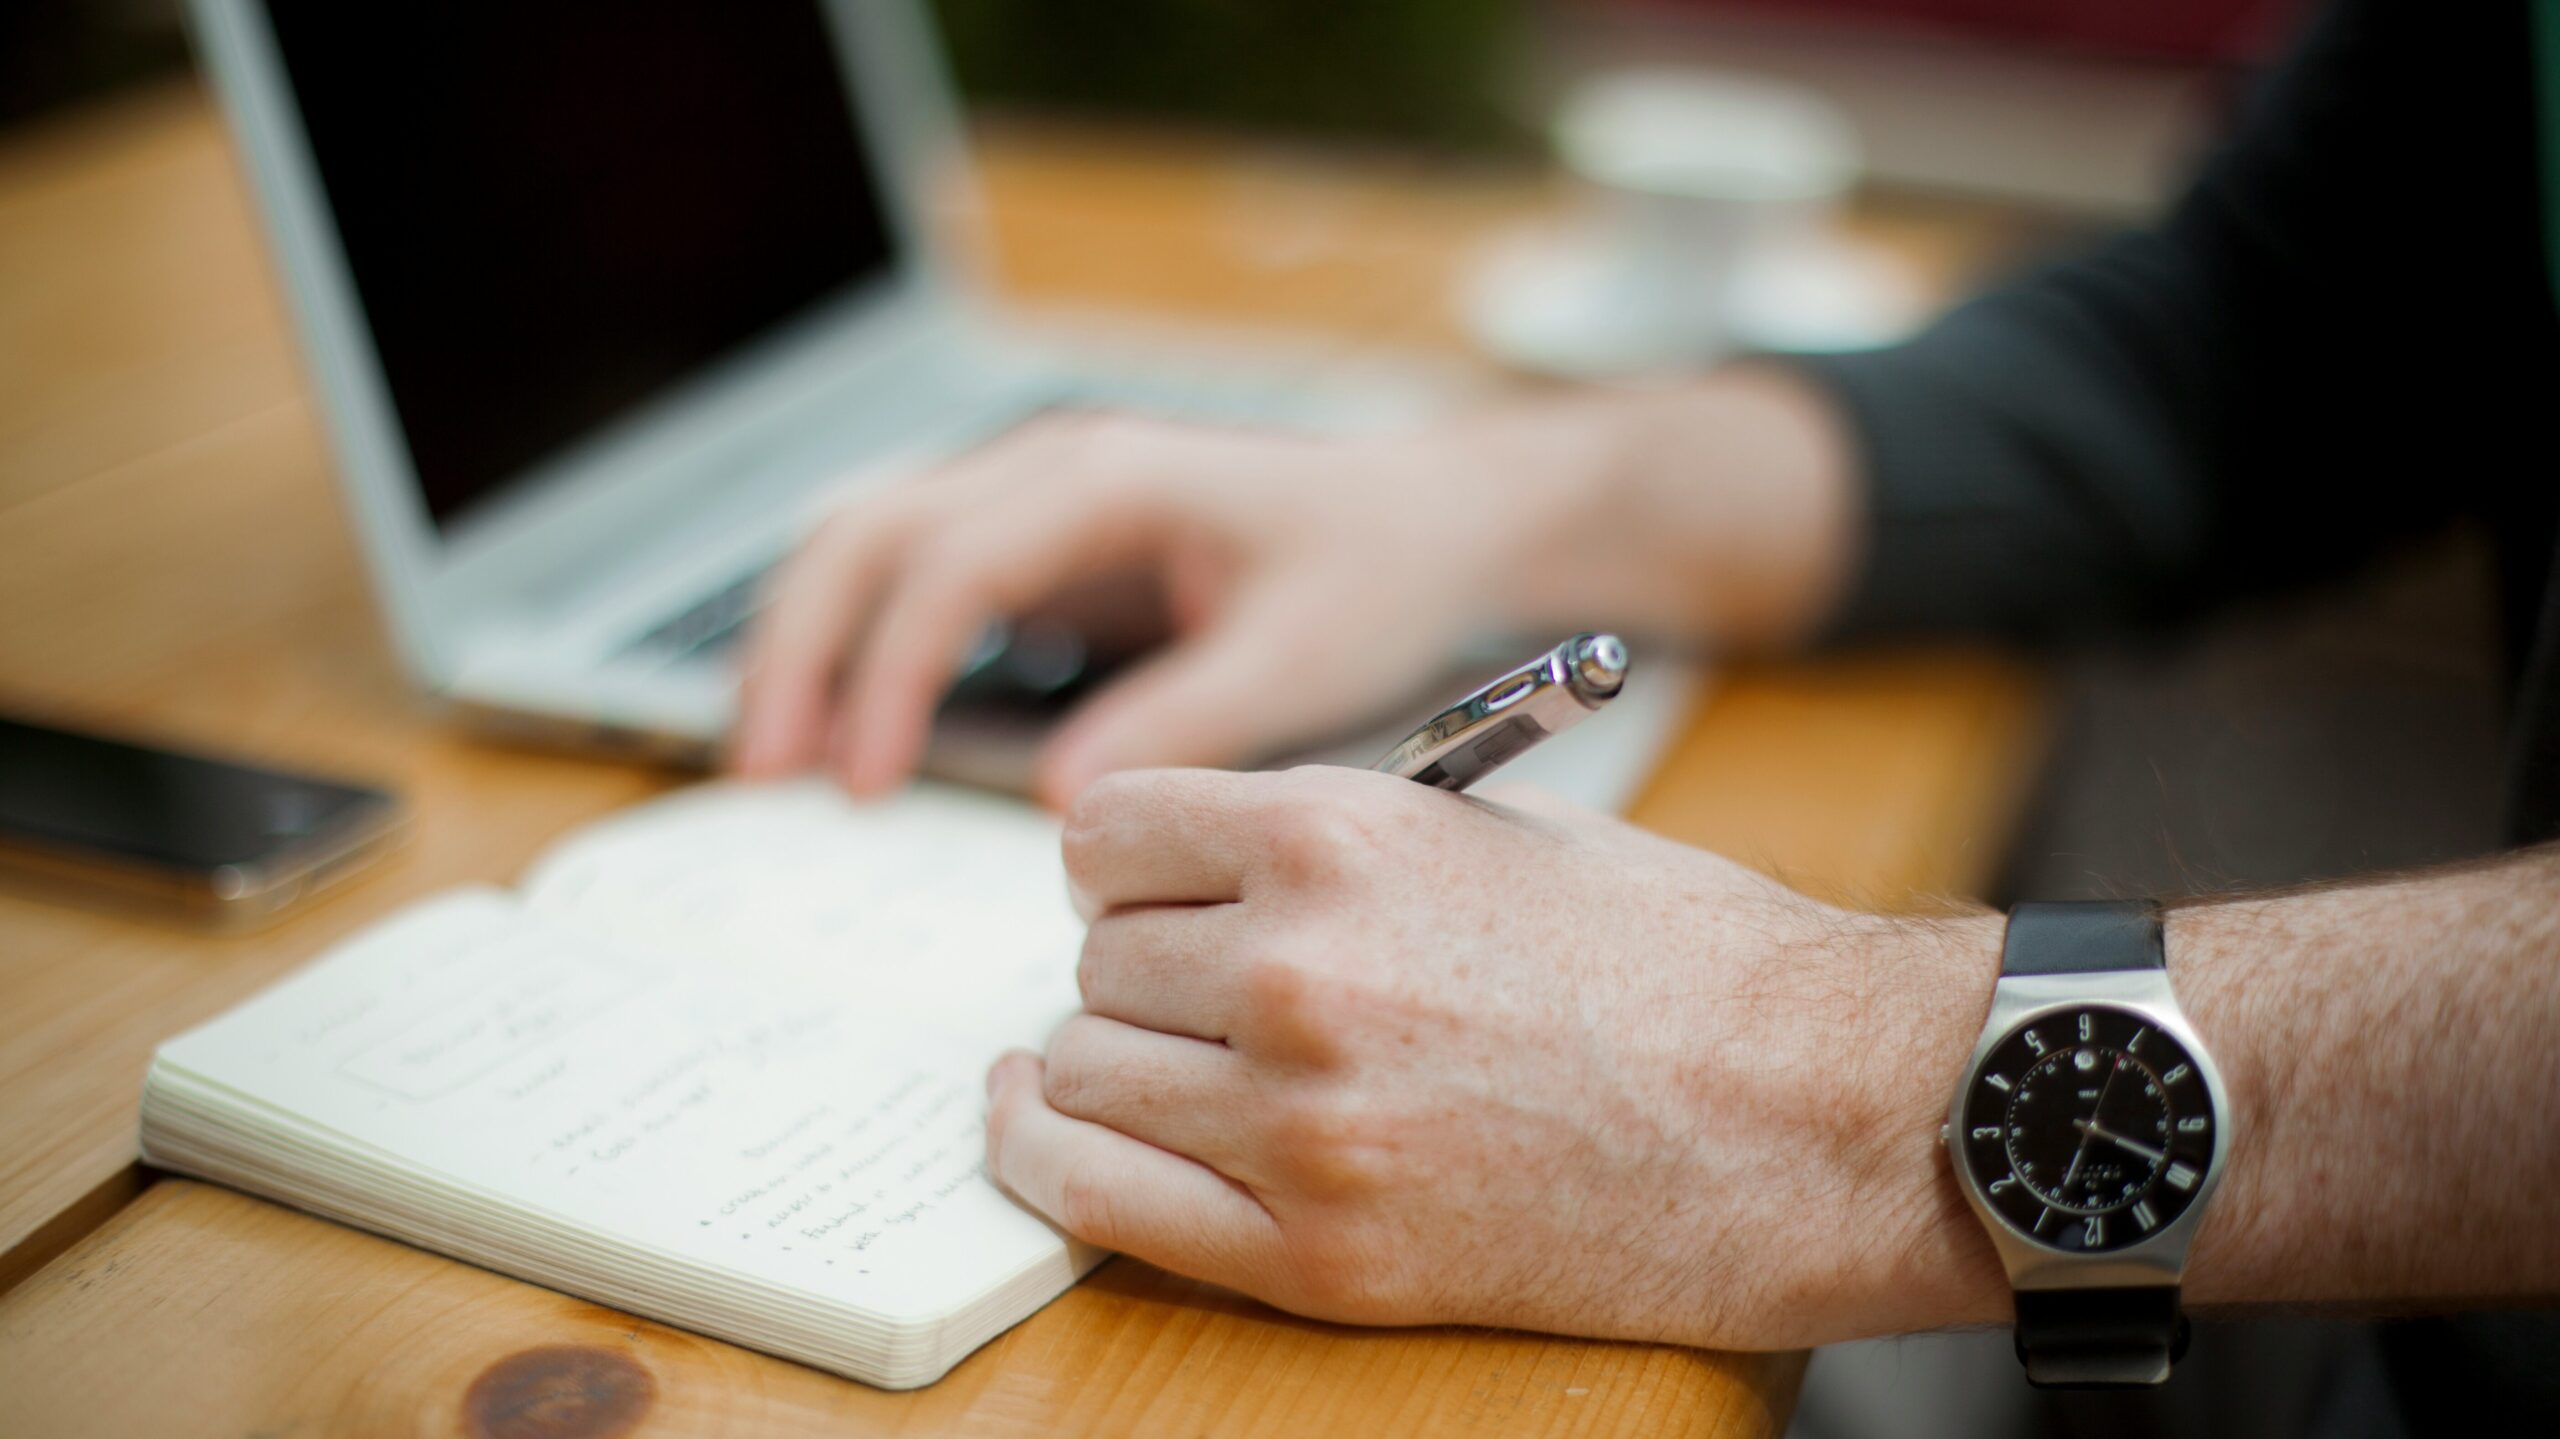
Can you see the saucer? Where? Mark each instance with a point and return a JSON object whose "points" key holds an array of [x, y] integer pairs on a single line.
{"points": [[1570, 301]]}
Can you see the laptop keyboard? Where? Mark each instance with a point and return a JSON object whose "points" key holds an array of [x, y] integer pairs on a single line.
{"points": [[709, 627]]}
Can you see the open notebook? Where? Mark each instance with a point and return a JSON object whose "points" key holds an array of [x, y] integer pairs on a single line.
{"points": [[719, 1061]]}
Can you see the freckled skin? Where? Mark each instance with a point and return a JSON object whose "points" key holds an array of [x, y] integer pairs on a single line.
{"points": [[1378, 1053], [1574, 1092]]}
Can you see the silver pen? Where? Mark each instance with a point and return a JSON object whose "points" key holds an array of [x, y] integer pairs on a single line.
{"points": [[1487, 729]]}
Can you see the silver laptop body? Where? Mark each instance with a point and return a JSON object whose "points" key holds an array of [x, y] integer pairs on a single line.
{"points": [[605, 303]]}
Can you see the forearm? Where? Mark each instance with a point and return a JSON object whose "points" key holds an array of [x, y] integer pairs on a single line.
{"points": [[2389, 1051], [2393, 1058]]}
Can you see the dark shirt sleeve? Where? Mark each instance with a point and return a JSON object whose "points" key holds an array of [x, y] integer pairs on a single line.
{"points": [[2269, 387]]}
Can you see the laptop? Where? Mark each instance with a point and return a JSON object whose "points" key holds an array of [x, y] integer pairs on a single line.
{"points": [[606, 302]]}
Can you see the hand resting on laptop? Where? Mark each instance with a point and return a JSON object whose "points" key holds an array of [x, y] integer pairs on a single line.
{"points": [[1308, 581]]}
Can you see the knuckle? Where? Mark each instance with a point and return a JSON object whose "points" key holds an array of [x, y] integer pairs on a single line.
{"points": [[1308, 1131], [1080, 851], [1091, 965], [1103, 456], [944, 569], [1278, 989], [1314, 840], [1067, 1079], [1084, 837], [1104, 800], [1117, 962], [1088, 1206], [1291, 995], [1328, 1149]]}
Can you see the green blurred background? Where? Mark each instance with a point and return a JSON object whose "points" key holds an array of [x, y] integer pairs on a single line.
{"points": [[1436, 71], [1429, 70]]}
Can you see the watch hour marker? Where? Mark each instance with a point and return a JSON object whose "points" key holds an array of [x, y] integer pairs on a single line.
{"points": [[2086, 1024], [1997, 1081], [2181, 1176], [2175, 1073], [2146, 1216], [2194, 1124], [2093, 1232], [2134, 1045], [2035, 1041]]}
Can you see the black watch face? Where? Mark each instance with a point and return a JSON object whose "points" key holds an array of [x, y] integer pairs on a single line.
{"points": [[2088, 1129]]}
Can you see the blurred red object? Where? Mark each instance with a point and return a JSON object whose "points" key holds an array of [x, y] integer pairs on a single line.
{"points": [[2194, 31]]}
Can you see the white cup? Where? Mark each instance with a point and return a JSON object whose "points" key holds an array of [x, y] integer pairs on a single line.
{"points": [[1702, 170], [1694, 174]]}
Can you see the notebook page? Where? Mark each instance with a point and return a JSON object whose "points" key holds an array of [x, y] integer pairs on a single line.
{"points": [[729, 1115], [938, 902]]}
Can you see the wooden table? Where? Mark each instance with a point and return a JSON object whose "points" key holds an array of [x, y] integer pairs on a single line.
{"points": [[173, 560]]}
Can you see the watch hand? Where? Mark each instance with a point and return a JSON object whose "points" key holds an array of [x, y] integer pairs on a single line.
{"points": [[2109, 1135], [2076, 1156]]}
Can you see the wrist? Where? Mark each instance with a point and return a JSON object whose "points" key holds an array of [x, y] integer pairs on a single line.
{"points": [[1929, 1265], [1722, 510], [2219, 963], [1857, 1228]]}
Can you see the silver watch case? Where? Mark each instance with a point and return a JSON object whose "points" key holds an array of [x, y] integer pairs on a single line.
{"points": [[2162, 1257]]}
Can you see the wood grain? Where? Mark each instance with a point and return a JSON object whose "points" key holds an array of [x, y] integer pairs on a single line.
{"points": [[1882, 781], [200, 1310], [173, 561]]}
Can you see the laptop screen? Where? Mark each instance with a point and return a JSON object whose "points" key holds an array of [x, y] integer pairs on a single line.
{"points": [[554, 212]]}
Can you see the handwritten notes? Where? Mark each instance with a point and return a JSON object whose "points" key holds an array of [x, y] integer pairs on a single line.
{"points": [[933, 901], [746, 1030]]}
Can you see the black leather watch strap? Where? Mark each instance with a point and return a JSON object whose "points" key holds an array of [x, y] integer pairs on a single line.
{"points": [[2092, 1338], [2082, 937], [2100, 1338]]}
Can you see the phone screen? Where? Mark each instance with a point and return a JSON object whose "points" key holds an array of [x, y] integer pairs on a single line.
{"points": [[126, 802]]}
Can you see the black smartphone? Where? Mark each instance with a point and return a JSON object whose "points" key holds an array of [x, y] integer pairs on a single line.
{"points": [[222, 840]]}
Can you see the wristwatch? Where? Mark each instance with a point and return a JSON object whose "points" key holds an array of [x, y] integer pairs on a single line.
{"points": [[2088, 1133]]}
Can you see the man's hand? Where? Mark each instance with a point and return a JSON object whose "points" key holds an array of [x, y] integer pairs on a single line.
{"points": [[1379, 1053], [1306, 581]]}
